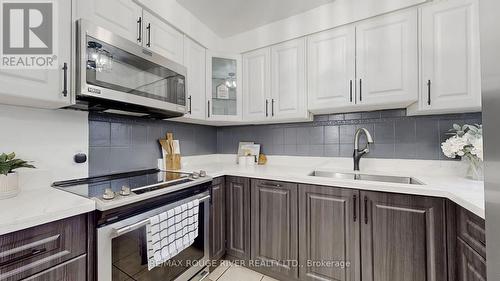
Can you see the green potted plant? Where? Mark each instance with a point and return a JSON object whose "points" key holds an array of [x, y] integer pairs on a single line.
{"points": [[9, 182]]}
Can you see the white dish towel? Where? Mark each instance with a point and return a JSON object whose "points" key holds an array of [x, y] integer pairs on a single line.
{"points": [[171, 232]]}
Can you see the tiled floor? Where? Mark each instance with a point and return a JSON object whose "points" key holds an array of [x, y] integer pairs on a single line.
{"points": [[231, 272]]}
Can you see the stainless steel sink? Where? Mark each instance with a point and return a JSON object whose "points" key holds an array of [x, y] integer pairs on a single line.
{"points": [[365, 177]]}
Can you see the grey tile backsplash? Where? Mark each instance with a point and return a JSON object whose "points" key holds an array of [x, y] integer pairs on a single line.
{"points": [[120, 144], [395, 135]]}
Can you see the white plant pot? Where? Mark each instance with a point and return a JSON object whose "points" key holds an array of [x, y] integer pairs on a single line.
{"points": [[9, 185]]}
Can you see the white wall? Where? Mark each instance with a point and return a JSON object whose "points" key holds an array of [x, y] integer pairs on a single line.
{"points": [[324, 17], [49, 138]]}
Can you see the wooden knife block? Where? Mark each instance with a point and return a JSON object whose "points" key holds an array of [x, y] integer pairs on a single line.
{"points": [[173, 162]]}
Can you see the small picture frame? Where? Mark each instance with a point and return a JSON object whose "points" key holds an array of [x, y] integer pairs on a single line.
{"points": [[222, 92], [241, 151], [253, 150]]}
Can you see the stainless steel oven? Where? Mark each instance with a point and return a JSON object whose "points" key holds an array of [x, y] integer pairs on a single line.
{"points": [[116, 75], [121, 248]]}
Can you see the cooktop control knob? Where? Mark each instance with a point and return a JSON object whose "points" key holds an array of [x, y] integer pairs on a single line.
{"points": [[125, 191], [108, 194], [195, 175], [203, 173]]}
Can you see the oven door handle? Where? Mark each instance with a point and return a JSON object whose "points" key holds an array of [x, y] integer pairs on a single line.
{"points": [[129, 228], [137, 225]]}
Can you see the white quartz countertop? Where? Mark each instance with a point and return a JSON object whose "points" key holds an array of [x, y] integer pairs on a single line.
{"points": [[445, 179], [34, 207], [437, 176]]}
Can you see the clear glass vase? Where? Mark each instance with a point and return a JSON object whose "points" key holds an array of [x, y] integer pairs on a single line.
{"points": [[476, 168]]}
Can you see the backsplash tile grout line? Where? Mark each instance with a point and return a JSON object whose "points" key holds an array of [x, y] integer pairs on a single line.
{"points": [[404, 141], [118, 143]]}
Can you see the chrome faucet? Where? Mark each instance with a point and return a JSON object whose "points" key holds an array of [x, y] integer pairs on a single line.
{"points": [[358, 153]]}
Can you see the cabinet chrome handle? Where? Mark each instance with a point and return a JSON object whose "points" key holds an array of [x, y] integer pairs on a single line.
{"points": [[190, 105], [270, 184], [350, 90], [65, 79], [360, 89], [366, 210], [139, 34], [429, 92], [267, 108], [272, 107], [149, 35], [355, 207], [208, 106]]}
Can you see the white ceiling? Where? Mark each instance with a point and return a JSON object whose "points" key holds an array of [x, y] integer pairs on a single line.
{"points": [[230, 17]]}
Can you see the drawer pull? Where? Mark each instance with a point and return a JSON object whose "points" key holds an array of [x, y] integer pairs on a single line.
{"points": [[429, 92], [139, 24], [149, 35], [350, 91], [33, 253], [65, 79], [366, 210], [34, 264], [270, 184], [360, 89], [355, 207], [29, 246]]}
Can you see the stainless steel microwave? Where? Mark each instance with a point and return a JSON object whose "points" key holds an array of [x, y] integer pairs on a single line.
{"points": [[116, 75]]}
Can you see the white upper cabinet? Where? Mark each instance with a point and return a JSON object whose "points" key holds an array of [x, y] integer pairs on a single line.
{"points": [[43, 88], [162, 38], [331, 69], [223, 91], [274, 83], [387, 61], [195, 64], [131, 21], [257, 84], [123, 17], [364, 9], [288, 72], [450, 59]]}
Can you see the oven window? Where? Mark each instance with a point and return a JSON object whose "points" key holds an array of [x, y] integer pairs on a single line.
{"points": [[129, 256], [112, 68]]}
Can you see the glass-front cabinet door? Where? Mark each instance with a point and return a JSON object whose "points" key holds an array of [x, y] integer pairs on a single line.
{"points": [[224, 87]]}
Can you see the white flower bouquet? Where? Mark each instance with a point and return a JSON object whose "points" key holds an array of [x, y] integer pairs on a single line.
{"points": [[466, 142]]}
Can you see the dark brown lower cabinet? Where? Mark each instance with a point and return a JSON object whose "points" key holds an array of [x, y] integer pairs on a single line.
{"points": [[218, 219], [470, 241], [274, 243], [238, 217], [470, 265], [403, 238], [339, 234], [471, 229], [329, 233], [73, 270], [45, 250]]}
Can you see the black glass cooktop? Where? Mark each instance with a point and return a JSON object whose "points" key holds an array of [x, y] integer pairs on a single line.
{"points": [[139, 182]]}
